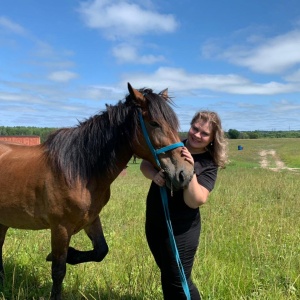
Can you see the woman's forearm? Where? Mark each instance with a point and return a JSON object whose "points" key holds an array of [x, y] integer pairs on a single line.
{"points": [[195, 194], [148, 170]]}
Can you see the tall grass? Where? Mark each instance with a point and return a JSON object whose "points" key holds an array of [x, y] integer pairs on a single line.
{"points": [[249, 245]]}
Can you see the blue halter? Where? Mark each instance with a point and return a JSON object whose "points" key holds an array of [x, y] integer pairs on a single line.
{"points": [[163, 193], [161, 150]]}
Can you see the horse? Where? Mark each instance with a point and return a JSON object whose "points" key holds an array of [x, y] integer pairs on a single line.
{"points": [[63, 183], [134, 158]]}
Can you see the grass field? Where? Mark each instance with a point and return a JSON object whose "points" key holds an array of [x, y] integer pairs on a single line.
{"points": [[249, 246]]}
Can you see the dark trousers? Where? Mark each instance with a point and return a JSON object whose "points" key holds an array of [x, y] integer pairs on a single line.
{"points": [[187, 240]]}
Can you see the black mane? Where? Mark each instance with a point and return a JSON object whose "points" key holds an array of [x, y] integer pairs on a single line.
{"points": [[92, 146]]}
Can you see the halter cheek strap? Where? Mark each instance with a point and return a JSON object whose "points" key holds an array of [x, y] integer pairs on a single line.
{"points": [[155, 152]]}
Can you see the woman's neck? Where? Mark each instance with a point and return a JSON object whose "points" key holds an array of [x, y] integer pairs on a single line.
{"points": [[194, 150]]}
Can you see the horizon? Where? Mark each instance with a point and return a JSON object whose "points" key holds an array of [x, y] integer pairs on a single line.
{"points": [[180, 131]]}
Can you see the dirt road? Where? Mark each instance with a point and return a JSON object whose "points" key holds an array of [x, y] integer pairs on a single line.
{"points": [[270, 160]]}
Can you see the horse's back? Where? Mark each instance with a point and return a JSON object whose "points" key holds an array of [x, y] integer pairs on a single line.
{"points": [[18, 149], [5, 147], [19, 158]]}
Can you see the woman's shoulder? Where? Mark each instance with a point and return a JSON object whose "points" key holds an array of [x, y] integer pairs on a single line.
{"points": [[204, 163]]}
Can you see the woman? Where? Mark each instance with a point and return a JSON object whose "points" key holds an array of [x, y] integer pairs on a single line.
{"points": [[205, 148]]}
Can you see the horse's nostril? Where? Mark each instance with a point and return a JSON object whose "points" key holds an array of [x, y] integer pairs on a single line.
{"points": [[181, 176]]}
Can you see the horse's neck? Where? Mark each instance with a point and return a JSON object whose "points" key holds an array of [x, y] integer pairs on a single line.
{"points": [[123, 156], [123, 148]]}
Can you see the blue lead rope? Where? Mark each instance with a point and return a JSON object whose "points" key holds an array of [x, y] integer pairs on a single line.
{"points": [[163, 193], [164, 197]]}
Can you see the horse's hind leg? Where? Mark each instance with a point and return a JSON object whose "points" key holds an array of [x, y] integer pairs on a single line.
{"points": [[3, 230], [95, 233]]}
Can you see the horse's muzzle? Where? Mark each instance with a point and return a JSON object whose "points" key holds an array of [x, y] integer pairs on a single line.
{"points": [[178, 180]]}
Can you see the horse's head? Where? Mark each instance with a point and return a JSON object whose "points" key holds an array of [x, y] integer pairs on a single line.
{"points": [[161, 129]]}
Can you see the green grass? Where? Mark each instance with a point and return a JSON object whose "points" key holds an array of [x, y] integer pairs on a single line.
{"points": [[251, 237], [249, 245], [287, 150]]}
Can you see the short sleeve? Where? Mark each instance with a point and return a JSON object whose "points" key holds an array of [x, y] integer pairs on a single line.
{"points": [[206, 171]]}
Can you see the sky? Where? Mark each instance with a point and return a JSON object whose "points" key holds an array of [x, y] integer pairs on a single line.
{"points": [[62, 61]]}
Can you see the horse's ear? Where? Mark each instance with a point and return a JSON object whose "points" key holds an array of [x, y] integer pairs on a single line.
{"points": [[164, 93], [137, 96]]}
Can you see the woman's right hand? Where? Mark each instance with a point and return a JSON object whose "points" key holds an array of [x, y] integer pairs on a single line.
{"points": [[150, 172], [159, 178]]}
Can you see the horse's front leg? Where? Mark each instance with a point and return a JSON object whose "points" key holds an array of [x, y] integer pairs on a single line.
{"points": [[100, 247], [3, 230], [60, 239]]}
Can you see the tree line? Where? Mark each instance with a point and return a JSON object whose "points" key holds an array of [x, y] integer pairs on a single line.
{"points": [[43, 133], [260, 134], [257, 134]]}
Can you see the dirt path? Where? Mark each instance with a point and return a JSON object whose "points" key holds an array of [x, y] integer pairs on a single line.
{"points": [[270, 160]]}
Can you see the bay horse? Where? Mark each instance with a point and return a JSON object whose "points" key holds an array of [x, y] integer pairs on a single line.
{"points": [[63, 183]]}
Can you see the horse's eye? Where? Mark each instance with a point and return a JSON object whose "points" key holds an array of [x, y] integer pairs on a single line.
{"points": [[154, 124]]}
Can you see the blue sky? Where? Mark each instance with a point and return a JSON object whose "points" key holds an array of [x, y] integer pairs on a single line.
{"points": [[62, 61]]}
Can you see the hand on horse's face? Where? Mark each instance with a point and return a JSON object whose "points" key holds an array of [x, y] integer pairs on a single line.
{"points": [[159, 178], [187, 155]]}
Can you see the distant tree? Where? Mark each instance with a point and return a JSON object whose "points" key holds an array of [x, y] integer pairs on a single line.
{"points": [[233, 134], [253, 135], [243, 135], [3, 130], [182, 135]]}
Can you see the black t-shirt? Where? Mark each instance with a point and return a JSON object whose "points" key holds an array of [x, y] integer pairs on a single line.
{"points": [[206, 172]]}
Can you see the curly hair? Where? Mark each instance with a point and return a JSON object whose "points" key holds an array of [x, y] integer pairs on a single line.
{"points": [[218, 147]]}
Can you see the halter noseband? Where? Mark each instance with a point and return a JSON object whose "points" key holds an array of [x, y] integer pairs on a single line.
{"points": [[155, 153]]}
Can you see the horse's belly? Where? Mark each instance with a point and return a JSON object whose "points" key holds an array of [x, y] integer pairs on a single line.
{"points": [[18, 220], [21, 206], [20, 212]]}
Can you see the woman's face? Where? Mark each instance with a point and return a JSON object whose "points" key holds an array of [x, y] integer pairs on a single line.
{"points": [[200, 134]]}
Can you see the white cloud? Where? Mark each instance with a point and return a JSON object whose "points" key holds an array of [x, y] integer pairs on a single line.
{"points": [[19, 98], [180, 80], [124, 19], [128, 54], [272, 56], [41, 53], [62, 76], [12, 26], [102, 93], [294, 77], [286, 105]]}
